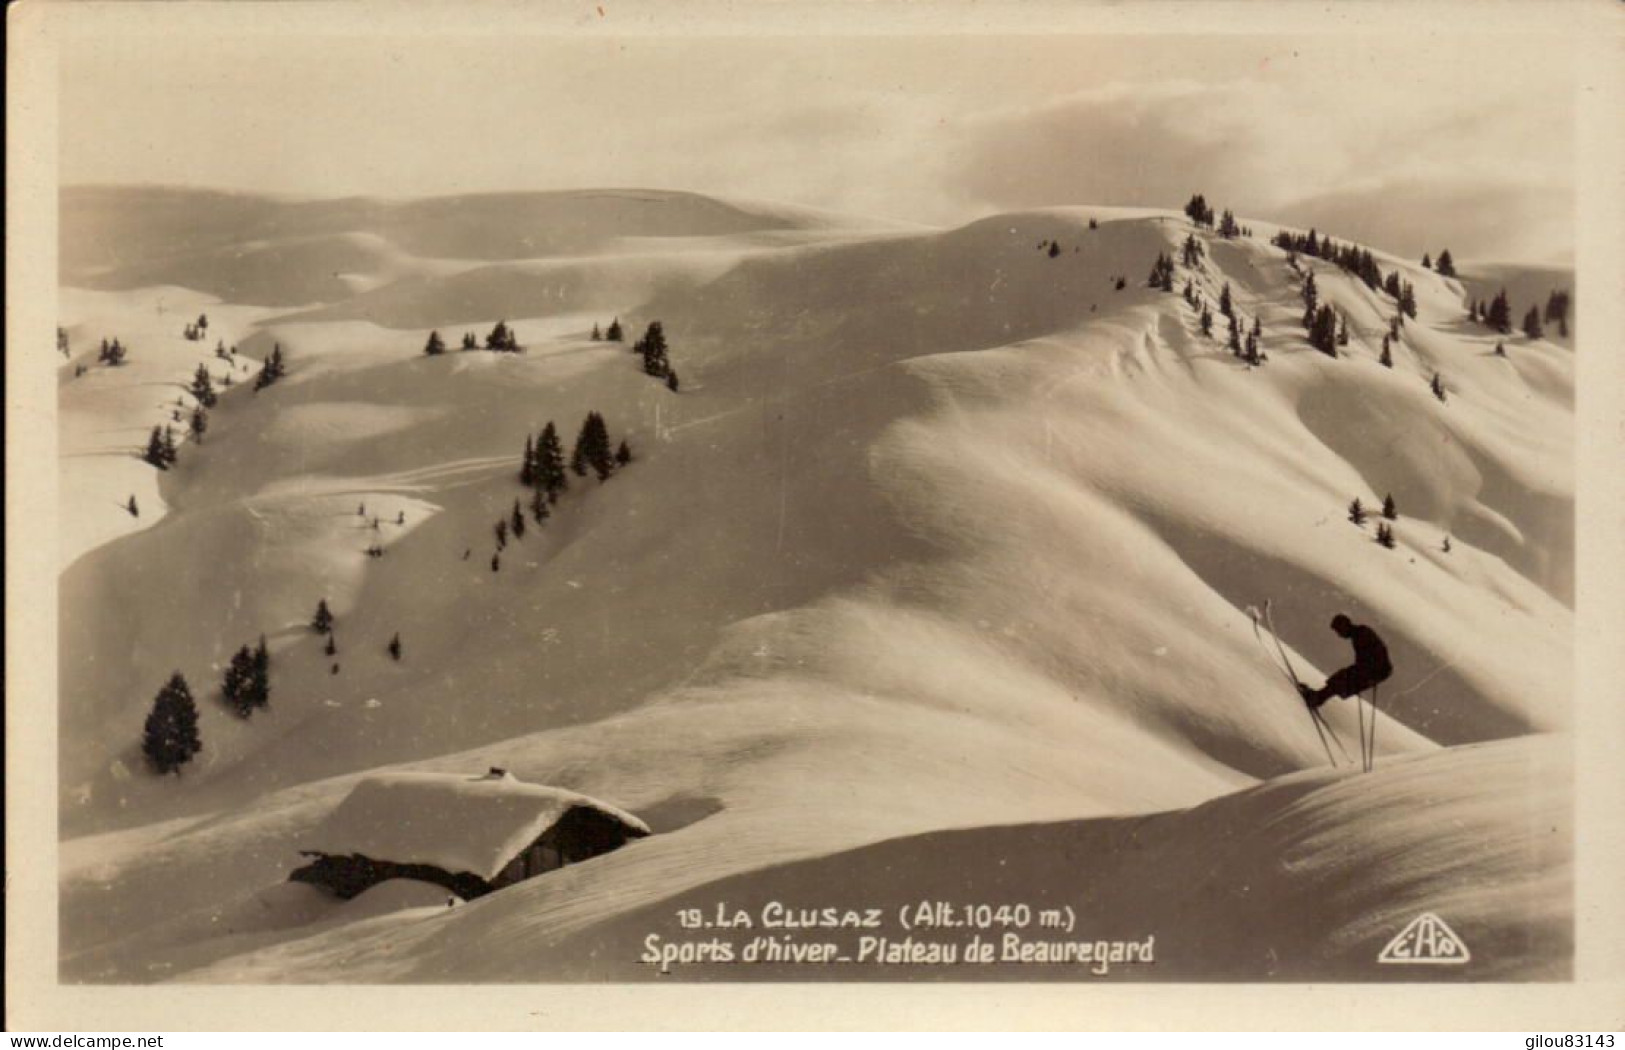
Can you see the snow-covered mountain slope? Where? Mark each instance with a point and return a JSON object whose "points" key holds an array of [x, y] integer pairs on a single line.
{"points": [[940, 531]]}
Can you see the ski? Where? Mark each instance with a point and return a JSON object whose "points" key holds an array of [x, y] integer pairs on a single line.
{"points": [[1322, 728]]}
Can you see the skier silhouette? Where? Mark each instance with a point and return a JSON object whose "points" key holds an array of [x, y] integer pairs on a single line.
{"points": [[1371, 666]]}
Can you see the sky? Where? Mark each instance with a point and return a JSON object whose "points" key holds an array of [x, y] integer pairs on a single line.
{"points": [[1407, 142]]}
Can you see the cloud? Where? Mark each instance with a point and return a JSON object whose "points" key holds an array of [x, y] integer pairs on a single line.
{"points": [[1406, 176]]}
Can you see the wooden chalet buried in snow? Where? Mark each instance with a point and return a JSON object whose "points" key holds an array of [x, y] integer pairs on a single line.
{"points": [[471, 835]]}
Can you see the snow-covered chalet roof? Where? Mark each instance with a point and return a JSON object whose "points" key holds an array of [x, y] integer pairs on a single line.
{"points": [[455, 822]]}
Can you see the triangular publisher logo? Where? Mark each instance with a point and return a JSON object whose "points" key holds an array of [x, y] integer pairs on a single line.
{"points": [[1428, 939]]}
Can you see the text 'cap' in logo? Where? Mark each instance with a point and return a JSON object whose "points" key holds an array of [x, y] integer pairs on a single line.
{"points": [[1427, 939]]}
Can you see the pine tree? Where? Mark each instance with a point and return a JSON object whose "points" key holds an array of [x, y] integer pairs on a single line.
{"points": [[1226, 307], [1391, 285], [538, 506], [1446, 545], [613, 332], [1446, 266], [671, 381], [1500, 349], [1531, 324], [1357, 512], [170, 738], [1343, 331], [435, 346], [171, 453], [235, 687], [652, 347], [203, 387], [1233, 344], [527, 465], [516, 521], [1387, 358], [1437, 386], [1385, 535], [1427, 261], [1207, 321], [550, 474], [1191, 251], [1390, 509], [199, 424], [623, 454], [470, 342], [1557, 310], [332, 646], [501, 530], [1054, 249], [203, 321], [1407, 300], [322, 622], [1227, 225], [154, 453], [496, 563], [593, 448], [259, 682], [1499, 315], [135, 511], [596, 334], [1323, 331], [500, 338], [395, 647]]}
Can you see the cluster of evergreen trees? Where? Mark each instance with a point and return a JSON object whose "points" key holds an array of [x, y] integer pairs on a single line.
{"points": [[1390, 512], [592, 450], [1162, 273], [542, 469], [1497, 314], [196, 330], [112, 354], [247, 684], [652, 348], [271, 370], [161, 451], [1347, 257], [1201, 213], [1445, 267], [612, 334], [501, 339]]}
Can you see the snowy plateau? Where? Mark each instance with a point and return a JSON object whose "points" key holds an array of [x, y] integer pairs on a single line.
{"points": [[929, 582]]}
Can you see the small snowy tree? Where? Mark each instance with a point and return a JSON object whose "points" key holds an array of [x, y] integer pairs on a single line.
{"points": [[1390, 509], [613, 332], [1385, 535], [516, 521], [135, 511], [435, 346], [170, 737], [1357, 512], [1437, 386], [550, 474], [1446, 266], [322, 622], [1531, 324]]}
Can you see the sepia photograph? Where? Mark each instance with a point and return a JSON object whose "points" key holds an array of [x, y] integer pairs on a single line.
{"points": [[884, 495]]}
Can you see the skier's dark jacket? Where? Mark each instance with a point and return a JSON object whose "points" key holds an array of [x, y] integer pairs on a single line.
{"points": [[1370, 666]]}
